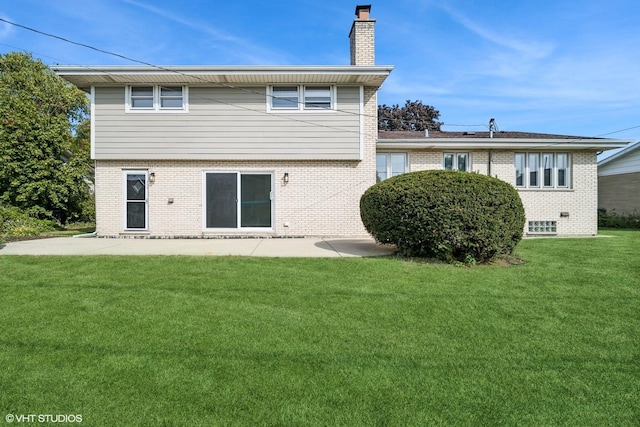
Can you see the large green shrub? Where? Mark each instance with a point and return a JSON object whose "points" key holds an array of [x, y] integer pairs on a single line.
{"points": [[449, 215], [15, 223]]}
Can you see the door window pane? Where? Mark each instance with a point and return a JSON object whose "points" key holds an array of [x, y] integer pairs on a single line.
{"points": [[136, 187], [221, 200], [255, 204], [136, 217]]}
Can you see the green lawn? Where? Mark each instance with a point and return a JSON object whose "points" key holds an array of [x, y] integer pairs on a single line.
{"points": [[379, 341]]}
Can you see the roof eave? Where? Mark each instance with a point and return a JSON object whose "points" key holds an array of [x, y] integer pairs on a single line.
{"points": [[87, 76], [501, 143]]}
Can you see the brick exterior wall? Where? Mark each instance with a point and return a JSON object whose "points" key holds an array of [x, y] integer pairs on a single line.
{"points": [[362, 39], [620, 193], [540, 205], [321, 198]]}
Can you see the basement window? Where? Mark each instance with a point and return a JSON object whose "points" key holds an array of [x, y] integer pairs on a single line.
{"points": [[543, 227]]}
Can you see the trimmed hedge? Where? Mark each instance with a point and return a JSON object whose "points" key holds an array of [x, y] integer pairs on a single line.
{"points": [[449, 215]]}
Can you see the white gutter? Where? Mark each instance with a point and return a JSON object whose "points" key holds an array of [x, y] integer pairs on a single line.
{"points": [[500, 144]]}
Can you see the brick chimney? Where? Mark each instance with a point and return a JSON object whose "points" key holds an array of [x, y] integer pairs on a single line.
{"points": [[362, 37]]}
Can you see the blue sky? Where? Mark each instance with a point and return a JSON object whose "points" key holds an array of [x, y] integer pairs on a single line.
{"points": [[563, 66]]}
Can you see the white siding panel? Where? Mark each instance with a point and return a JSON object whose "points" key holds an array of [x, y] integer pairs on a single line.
{"points": [[623, 165], [225, 123]]}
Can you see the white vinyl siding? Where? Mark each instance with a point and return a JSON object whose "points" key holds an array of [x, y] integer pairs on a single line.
{"points": [[226, 124]]}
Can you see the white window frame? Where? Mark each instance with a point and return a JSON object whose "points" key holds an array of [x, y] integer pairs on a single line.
{"points": [[455, 155], [529, 157], [389, 165], [301, 105], [157, 100]]}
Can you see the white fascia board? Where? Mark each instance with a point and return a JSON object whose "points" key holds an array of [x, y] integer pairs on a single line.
{"points": [[88, 75], [510, 144]]}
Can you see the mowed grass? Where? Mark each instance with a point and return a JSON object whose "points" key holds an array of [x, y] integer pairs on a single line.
{"points": [[379, 341]]}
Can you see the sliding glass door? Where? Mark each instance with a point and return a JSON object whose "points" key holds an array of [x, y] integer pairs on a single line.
{"points": [[236, 200]]}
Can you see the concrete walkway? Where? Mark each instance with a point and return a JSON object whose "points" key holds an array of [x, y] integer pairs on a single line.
{"points": [[258, 247]]}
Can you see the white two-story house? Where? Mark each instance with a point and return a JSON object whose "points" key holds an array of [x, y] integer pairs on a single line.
{"points": [[208, 151], [254, 150]]}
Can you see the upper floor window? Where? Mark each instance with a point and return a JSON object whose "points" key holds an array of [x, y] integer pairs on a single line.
{"points": [[390, 164], [299, 98], [156, 98], [542, 170], [456, 161]]}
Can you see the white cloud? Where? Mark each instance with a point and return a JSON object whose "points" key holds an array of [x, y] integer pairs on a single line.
{"points": [[223, 41], [524, 46], [5, 29]]}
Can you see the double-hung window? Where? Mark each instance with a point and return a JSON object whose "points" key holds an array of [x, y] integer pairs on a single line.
{"points": [[302, 98], [542, 170], [390, 164], [456, 161], [156, 98]]}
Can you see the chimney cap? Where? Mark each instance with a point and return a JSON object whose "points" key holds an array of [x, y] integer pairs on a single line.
{"points": [[362, 11]]}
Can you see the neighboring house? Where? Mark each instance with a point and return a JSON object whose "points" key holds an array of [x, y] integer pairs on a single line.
{"points": [[256, 150], [556, 175], [204, 151], [619, 182]]}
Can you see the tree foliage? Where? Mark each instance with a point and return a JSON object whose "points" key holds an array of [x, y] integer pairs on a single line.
{"points": [[449, 215], [414, 115], [44, 162]]}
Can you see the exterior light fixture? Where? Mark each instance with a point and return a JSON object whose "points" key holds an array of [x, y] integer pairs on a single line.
{"points": [[285, 178], [152, 177]]}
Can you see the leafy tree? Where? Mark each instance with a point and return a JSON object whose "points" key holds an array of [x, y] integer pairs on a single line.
{"points": [[414, 115], [44, 162]]}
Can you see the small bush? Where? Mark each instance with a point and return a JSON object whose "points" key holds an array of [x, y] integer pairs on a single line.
{"points": [[612, 220], [14, 224], [449, 215]]}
